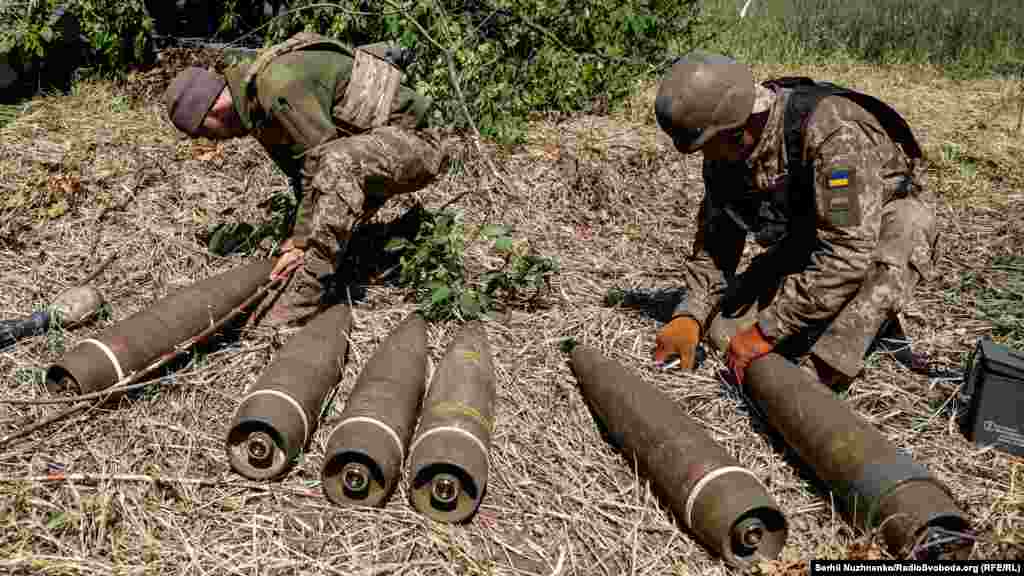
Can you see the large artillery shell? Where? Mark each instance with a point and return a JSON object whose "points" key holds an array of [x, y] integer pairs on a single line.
{"points": [[448, 460], [725, 505], [279, 414], [876, 485], [137, 341], [366, 450]]}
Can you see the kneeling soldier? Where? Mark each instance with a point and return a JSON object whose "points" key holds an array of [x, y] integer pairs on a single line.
{"points": [[829, 181]]}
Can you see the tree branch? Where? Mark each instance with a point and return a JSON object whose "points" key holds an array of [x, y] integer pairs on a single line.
{"points": [[453, 80]]}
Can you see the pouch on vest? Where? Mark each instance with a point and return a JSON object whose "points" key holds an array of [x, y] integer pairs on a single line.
{"points": [[370, 93]]}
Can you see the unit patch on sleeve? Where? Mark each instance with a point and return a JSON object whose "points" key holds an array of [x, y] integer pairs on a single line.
{"points": [[841, 197], [839, 178]]}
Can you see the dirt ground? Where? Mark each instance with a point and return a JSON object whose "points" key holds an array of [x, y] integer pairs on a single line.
{"points": [[101, 172]]}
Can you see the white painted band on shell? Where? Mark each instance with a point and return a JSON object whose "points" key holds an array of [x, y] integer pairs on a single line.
{"points": [[457, 430], [295, 404], [110, 355], [391, 431], [703, 482]]}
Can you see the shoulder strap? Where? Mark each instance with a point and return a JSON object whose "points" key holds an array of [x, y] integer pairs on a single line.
{"points": [[805, 97], [300, 41], [895, 125]]}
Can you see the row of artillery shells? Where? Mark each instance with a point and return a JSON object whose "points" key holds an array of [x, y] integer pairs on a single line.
{"points": [[448, 457]]}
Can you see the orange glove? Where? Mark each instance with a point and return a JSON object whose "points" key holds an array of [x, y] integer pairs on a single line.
{"points": [[680, 336], [745, 347]]}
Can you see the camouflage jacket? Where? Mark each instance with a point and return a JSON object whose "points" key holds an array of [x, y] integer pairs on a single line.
{"points": [[289, 103], [824, 226]]}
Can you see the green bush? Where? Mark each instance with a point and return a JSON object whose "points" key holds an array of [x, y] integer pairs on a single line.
{"points": [[116, 32], [28, 28], [513, 57]]}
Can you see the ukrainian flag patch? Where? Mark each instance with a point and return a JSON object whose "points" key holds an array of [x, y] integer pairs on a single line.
{"points": [[839, 178]]}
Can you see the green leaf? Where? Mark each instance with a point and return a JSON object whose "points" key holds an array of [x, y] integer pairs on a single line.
{"points": [[567, 345], [57, 519], [440, 294], [470, 306], [397, 244], [503, 244]]}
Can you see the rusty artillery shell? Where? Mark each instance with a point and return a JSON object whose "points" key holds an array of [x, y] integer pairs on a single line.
{"points": [[723, 504], [366, 450], [279, 413], [876, 486], [133, 343], [448, 460]]}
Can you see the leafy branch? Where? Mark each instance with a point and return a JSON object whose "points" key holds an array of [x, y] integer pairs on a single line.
{"points": [[433, 265]]}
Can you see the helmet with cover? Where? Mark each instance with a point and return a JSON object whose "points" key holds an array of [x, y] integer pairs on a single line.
{"points": [[702, 95]]}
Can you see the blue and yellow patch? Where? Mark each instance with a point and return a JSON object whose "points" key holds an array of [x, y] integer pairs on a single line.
{"points": [[839, 178]]}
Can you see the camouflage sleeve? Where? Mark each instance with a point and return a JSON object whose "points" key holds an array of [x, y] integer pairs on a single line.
{"points": [[296, 106], [717, 247], [848, 150], [304, 226]]}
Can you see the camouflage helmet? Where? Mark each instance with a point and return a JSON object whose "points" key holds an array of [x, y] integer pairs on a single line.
{"points": [[702, 95]]}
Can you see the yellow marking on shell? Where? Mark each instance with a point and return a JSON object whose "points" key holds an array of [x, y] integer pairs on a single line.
{"points": [[460, 409], [471, 355]]}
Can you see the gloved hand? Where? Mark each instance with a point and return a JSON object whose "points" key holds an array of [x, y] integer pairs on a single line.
{"points": [[745, 347], [292, 256], [680, 336]]}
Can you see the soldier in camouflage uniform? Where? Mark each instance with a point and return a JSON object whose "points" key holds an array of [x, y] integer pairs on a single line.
{"points": [[339, 123], [827, 180]]}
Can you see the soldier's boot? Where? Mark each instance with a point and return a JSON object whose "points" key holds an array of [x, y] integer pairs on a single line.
{"points": [[305, 294], [297, 304]]}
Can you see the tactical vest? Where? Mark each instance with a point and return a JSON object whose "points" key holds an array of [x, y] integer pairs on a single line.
{"points": [[369, 93], [794, 202]]}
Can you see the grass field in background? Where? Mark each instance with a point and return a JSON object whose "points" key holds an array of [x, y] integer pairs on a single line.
{"points": [[964, 37]]}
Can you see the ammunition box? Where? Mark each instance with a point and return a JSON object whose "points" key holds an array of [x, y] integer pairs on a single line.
{"points": [[994, 388]]}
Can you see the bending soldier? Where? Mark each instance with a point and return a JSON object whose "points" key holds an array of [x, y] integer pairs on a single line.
{"points": [[338, 122], [828, 180]]}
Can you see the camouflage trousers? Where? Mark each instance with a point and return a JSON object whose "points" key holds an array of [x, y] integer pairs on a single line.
{"points": [[903, 256], [351, 179]]}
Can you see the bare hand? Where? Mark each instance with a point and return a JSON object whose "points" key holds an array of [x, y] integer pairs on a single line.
{"points": [[289, 260]]}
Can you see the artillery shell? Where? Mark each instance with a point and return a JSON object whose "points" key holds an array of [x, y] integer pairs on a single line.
{"points": [[448, 460], [279, 414], [876, 486], [133, 343], [366, 450], [723, 504]]}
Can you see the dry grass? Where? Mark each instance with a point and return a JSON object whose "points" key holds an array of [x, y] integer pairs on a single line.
{"points": [[89, 175]]}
